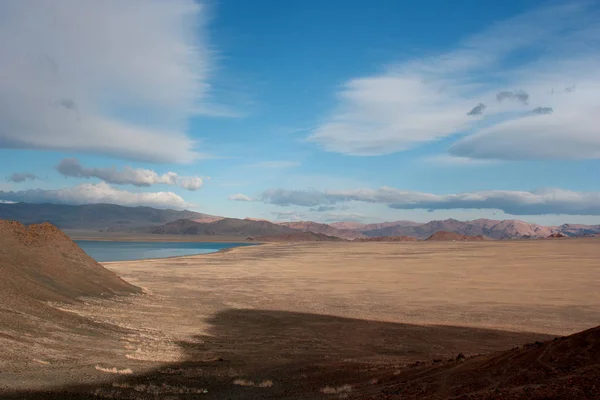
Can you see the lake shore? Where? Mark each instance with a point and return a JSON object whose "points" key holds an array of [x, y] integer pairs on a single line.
{"points": [[148, 237]]}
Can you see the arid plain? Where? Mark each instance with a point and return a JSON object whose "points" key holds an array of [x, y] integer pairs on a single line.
{"points": [[318, 320]]}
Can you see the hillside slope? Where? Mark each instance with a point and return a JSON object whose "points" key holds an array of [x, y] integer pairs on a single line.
{"points": [[40, 264], [565, 368]]}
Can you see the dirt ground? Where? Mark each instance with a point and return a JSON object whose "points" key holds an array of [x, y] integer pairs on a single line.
{"points": [[318, 320]]}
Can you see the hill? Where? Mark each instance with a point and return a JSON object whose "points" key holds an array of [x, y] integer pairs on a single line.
{"points": [[39, 264], [223, 227], [564, 368], [308, 226], [443, 236], [298, 237], [109, 217]]}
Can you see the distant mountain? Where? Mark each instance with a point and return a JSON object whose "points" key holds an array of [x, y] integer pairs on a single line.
{"points": [[308, 226], [509, 229], [579, 230], [114, 218], [223, 227], [443, 236], [298, 237], [109, 217], [348, 225], [381, 225]]}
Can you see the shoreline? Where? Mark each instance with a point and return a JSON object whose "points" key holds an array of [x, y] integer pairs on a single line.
{"points": [[227, 250], [150, 238]]}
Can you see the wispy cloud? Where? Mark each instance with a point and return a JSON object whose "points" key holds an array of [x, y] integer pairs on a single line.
{"points": [[477, 110], [88, 193], [456, 161], [538, 202], [542, 110], [18, 177], [240, 197], [71, 167], [517, 95], [422, 100], [77, 75]]}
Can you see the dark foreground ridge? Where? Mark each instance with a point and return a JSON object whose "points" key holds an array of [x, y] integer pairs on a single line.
{"points": [[285, 355]]}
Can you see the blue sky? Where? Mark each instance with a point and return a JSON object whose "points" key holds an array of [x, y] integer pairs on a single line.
{"points": [[296, 110]]}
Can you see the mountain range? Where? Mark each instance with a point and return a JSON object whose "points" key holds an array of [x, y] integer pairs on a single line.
{"points": [[113, 218]]}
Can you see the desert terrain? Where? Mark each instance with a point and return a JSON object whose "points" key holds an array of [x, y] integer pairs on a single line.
{"points": [[306, 320]]}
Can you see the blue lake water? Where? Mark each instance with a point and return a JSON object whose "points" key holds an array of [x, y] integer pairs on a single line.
{"points": [[125, 251]]}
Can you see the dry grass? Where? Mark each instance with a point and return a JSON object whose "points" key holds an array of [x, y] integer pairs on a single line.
{"points": [[336, 390], [114, 370]]}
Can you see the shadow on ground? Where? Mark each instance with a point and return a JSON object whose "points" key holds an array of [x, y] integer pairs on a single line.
{"points": [[277, 354]]}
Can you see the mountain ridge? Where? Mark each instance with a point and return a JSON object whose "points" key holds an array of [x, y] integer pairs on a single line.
{"points": [[114, 218]]}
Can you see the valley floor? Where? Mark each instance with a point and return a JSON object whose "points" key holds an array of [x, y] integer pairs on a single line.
{"points": [[318, 320]]}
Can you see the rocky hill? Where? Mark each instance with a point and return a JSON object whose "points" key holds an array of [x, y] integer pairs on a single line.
{"points": [[563, 368], [223, 227], [39, 264], [298, 237]]}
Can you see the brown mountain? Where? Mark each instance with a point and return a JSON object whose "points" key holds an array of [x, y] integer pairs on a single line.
{"points": [[579, 229], [508, 229], [348, 225], [223, 227], [107, 217], [298, 237], [388, 239], [382, 225], [564, 368], [40, 263], [443, 236], [308, 226]]}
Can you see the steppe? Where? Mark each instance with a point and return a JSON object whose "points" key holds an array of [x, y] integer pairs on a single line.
{"points": [[308, 320]]}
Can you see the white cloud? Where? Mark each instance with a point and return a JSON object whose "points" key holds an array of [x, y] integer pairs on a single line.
{"points": [[422, 100], [538, 202], [240, 197], [191, 182], [88, 193], [456, 161], [111, 77], [70, 167]]}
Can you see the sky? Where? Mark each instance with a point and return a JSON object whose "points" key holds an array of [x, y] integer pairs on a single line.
{"points": [[344, 110]]}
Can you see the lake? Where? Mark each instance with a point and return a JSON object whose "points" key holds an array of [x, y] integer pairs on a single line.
{"points": [[125, 251]]}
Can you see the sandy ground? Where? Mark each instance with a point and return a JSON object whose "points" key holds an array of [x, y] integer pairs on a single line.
{"points": [[291, 320]]}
